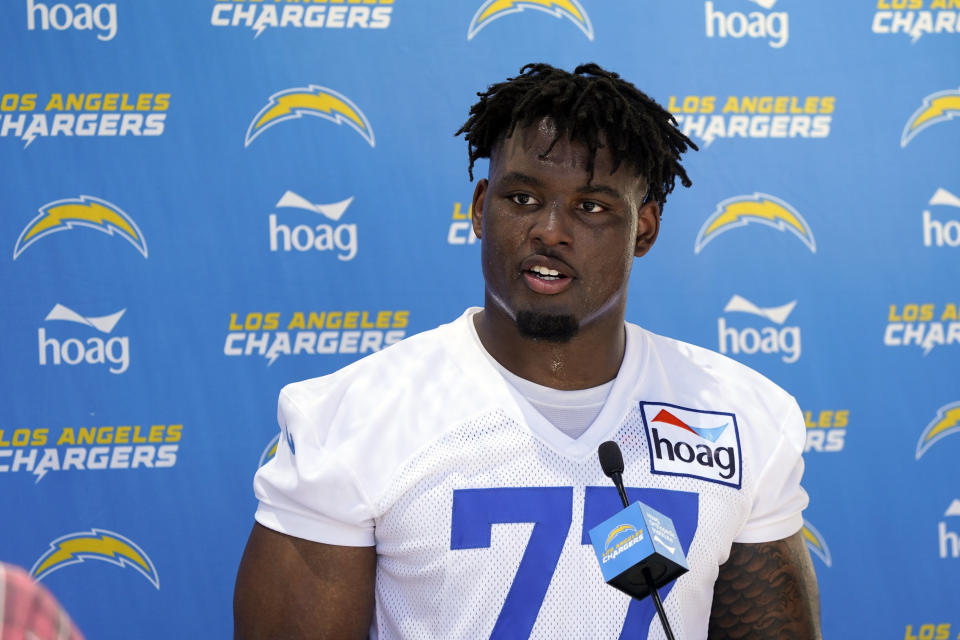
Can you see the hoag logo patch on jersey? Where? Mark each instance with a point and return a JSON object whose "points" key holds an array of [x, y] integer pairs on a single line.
{"points": [[693, 443]]}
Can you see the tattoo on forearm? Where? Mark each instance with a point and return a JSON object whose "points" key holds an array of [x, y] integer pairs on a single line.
{"points": [[766, 590]]}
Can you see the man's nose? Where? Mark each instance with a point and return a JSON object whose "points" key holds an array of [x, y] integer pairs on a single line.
{"points": [[552, 226]]}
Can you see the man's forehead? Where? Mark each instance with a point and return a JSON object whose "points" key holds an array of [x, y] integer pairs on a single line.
{"points": [[539, 133], [545, 139]]}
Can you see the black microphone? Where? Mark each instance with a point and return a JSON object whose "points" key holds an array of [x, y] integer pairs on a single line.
{"points": [[638, 548], [611, 461]]}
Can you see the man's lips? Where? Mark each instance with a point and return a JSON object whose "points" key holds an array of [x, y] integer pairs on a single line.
{"points": [[546, 275]]}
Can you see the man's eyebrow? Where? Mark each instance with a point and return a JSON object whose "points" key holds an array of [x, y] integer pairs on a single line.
{"points": [[515, 177], [522, 178], [599, 188]]}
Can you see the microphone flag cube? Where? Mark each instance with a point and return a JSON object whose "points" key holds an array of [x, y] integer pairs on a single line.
{"points": [[635, 539]]}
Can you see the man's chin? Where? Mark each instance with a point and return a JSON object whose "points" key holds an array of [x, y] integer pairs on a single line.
{"points": [[547, 326]]}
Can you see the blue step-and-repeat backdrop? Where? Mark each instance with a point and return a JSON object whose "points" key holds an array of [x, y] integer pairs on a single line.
{"points": [[203, 200]]}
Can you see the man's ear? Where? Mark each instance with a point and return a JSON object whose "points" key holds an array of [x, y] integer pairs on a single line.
{"points": [[648, 227], [479, 195]]}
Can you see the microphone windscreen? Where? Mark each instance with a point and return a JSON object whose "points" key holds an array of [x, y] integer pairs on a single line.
{"points": [[611, 460]]}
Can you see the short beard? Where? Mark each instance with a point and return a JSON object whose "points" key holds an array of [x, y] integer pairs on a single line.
{"points": [[549, 327]]}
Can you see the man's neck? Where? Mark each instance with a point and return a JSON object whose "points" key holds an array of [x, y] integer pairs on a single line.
{"points": [[589, 359]]}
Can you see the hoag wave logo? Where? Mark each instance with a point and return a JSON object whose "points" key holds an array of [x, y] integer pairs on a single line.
{"points": [[945, 423], [937, 107], [95, 544], [949, 540], [693, 443], [321, 237], [83, 212], [774, 26], [113, 352], [284, 14], [312, 100], [492, 10], [775, 340], [761, 208], [81, 17], [941, 232]]}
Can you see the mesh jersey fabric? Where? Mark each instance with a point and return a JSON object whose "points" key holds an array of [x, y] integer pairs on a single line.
{"points": [[478, 506]]}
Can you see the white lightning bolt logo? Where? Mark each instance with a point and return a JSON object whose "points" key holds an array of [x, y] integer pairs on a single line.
{"points": [[494, 9], [29, 137]]}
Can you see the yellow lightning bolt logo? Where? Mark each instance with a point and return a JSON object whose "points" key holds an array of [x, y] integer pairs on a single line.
{"points": [[815, 543], [617, 531], [493, 9], [96, 544], [740, 211], [937, 107], [85, 211], [310, 101], [947, 422]]}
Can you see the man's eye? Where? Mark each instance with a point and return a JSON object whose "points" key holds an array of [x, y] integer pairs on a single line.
{"points": [[522, 198], [592, 207]]}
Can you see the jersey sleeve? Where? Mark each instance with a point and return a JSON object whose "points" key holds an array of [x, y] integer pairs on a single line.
{"points": [[308, 489], [780, 500]]}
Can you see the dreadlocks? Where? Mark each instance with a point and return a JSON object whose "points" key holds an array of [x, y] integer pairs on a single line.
{"points": [[591, 106]]}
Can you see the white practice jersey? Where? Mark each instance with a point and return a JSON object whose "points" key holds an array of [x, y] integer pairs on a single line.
{"points": [[479, 508]]}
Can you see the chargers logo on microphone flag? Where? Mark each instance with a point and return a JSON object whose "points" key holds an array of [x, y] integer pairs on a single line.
{"points": [[310, 101], [636, 538], [693, 443], [494, 9], [621, 538]]}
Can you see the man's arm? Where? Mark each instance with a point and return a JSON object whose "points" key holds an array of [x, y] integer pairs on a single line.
{"points": [[766, 590], [293, 588]]}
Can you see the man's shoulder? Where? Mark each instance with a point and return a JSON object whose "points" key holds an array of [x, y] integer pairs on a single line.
{"points": [[426, 370], [699, 366], [407, 354]]}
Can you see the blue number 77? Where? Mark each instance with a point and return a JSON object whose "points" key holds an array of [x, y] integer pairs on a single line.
{"points": [[550, 509]]}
